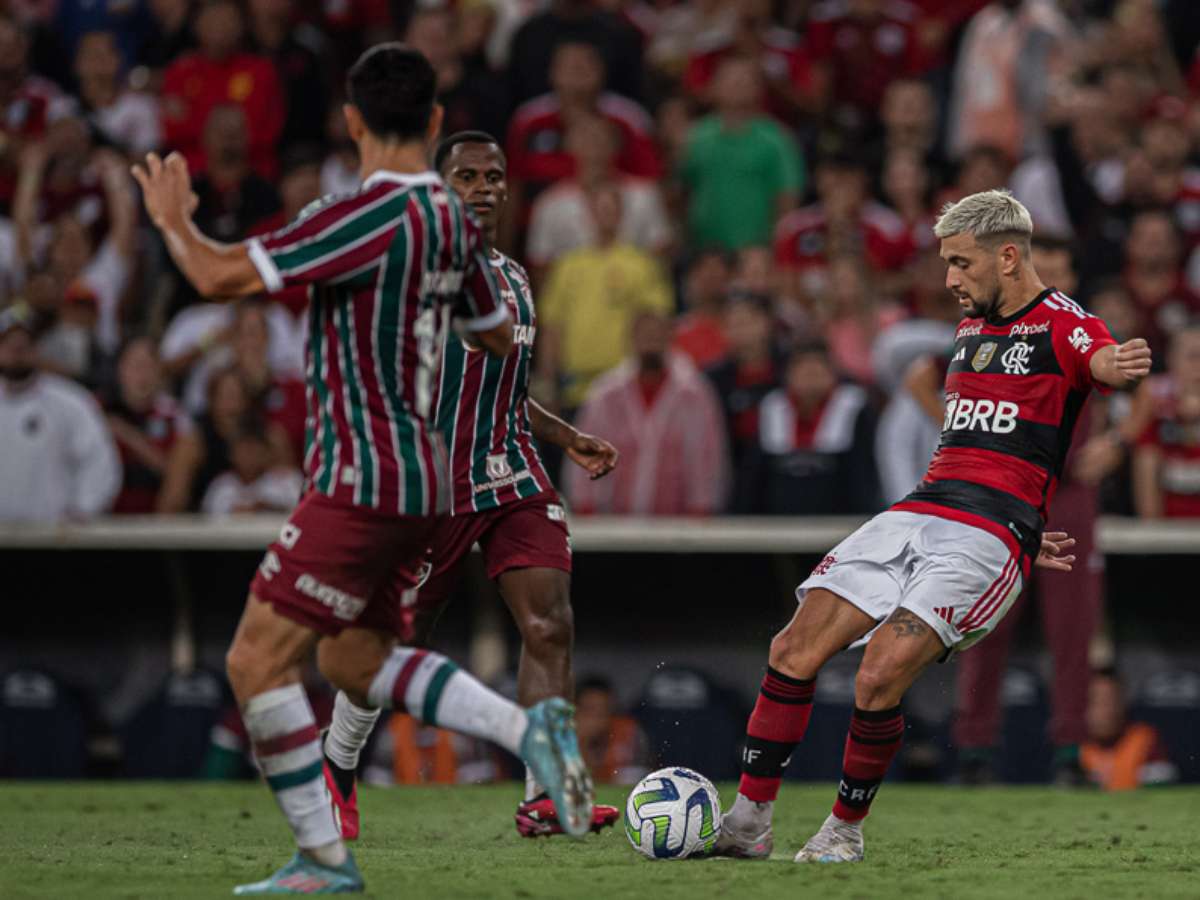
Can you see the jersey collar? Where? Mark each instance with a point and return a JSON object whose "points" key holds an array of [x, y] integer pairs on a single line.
{"points": [[407, 179], [1023, 311]]}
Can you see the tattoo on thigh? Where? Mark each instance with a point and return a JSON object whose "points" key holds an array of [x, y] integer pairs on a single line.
{"points": [[905, 624]]}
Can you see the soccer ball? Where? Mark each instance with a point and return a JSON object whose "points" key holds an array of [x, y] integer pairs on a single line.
{"points": [[672, 814]]}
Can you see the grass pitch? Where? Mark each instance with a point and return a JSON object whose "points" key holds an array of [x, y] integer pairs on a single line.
{"points": [[152, 841]]}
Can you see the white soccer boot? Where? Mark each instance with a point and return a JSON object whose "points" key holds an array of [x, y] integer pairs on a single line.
{"points": [[746, 830], [836, 842]]}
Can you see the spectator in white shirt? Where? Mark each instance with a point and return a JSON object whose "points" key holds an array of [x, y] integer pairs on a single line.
{"points": [[253, 484], [561, 219], [58, 458]]}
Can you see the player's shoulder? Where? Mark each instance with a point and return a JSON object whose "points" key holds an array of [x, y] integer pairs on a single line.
{"points": [[509, 265]]}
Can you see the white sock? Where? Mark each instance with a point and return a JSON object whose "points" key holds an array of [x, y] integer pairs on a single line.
{"points": [[348, 732], [436, 691], [750, 815], [288, 749], [532, 788]]}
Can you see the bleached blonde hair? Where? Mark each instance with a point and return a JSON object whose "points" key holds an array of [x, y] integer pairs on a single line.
{"points": [[989, 216]]}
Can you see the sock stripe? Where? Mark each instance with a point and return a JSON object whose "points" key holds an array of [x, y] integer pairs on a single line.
{"points": [[433, 693], [876, 715], [786, 679], [285, 742], [797, 700], [285, 780], [400, 688]]}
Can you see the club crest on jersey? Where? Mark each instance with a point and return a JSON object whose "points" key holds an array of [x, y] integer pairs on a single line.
{"points": [[498, 467], [1016, 358], [983, 356]]}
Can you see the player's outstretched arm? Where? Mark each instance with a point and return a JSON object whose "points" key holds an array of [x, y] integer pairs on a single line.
{"points": [[1121, 365], [214, 269], [594, 454], [1053, 554]]}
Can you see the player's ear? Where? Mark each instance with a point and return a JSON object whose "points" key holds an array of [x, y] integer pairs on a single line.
{"points": [[355, 126]]}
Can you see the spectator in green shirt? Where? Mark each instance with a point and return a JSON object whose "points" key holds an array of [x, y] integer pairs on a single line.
{"points": [[740, 169]]}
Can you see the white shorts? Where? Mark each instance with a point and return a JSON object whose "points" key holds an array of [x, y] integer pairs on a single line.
{"points": [[960, 580]]}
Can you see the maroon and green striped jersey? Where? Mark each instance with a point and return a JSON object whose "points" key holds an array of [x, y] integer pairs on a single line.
{"points": [[483, 408], [386, 268]]}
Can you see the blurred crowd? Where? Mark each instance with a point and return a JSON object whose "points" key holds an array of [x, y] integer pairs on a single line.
{"points": [[725, 205]]}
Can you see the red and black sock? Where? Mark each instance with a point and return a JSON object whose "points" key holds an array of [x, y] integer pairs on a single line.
{"points": [[776, 726], [875, 737]]}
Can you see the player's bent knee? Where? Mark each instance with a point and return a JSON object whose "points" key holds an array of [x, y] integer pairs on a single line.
{"points": [[551, 630], [877, 687], [790, 655]]}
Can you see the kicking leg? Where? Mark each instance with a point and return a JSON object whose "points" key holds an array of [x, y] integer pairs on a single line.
{"points": [[263, 664], [896, 654], [435, 691], [822, 626]]}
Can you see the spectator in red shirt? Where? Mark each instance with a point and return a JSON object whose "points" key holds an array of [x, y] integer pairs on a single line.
{"points": [[145, 422], [1166, 462], [791, 84], [1154, 277], [220, 72], [843, 221], [860, 47], [699, 332], [536, 147]]}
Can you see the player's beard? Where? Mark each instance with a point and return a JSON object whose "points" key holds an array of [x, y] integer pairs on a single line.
{"points": [[985, 309]]}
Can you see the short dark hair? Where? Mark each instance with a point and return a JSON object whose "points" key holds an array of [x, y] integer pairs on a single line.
{"points": [[393, 87], [594, 683], [461, 137]]}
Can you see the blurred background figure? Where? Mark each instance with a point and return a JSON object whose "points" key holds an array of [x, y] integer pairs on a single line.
{"points": [[666, 422], [613, 745], [591, 296], [145, 421], [815, 448], [59, 459], [1121, 754], [739, 170], [1166, 461]]}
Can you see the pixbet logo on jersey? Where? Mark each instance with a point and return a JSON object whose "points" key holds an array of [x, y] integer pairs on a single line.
{"points": [[966, 414]]}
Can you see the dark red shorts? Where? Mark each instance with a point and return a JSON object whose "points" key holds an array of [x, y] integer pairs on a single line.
{"points": [[526, 534], [336, 566]]}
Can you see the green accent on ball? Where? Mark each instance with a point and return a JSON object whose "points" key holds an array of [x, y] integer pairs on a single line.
{"points": [[645, 797], [662, 829]]}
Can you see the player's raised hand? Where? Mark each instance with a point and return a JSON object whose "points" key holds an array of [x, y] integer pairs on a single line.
{"points": [[1133, 359], [1054, 546], [595, 454], [166, 189]]}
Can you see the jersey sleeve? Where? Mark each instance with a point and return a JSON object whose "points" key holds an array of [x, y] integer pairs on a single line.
{"points": [[479, 306], [332, 242], [1080, 336]]}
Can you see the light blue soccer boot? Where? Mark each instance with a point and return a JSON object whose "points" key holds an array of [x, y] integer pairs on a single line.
{"points": [[551, 750], [307, 876]]}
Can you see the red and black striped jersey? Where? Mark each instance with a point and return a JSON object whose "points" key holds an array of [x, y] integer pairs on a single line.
{"points": [[386, 267], [483, 411], [1014, 390]]}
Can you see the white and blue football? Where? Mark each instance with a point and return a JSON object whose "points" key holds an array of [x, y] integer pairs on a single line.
{"points": [[673, 813]]}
